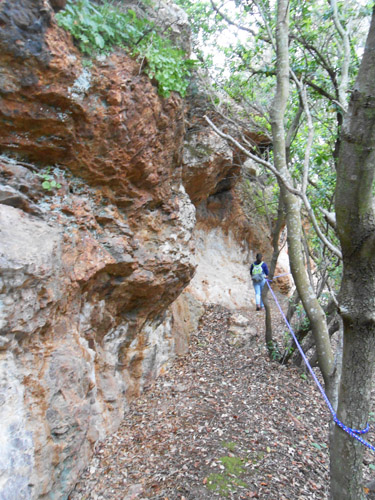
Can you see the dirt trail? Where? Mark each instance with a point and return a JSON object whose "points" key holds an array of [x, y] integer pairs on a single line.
{"points": [[224, 422]]}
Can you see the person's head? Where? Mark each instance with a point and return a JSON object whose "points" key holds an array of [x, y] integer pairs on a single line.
{"points": [[259, 258]]}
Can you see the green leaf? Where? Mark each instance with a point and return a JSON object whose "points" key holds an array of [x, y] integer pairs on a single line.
{"points": [[99, 41], [102, 26]]}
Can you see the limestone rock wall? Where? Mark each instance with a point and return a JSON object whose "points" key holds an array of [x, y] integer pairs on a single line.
{"points": [[229, 230], [93, 271], [87, 271], [83, 327], [226, 244]]}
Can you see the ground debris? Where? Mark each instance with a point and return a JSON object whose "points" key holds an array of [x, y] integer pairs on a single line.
{"points": [[224, 422]]}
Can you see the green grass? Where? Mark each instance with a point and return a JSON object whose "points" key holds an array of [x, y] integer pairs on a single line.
{"points": [[229, 480]]}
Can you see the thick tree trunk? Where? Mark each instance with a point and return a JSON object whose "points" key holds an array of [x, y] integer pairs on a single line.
{"points": [[346, 454], [356, 230]]}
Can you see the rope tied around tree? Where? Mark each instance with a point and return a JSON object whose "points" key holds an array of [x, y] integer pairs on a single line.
{"points": [[355, 433]]}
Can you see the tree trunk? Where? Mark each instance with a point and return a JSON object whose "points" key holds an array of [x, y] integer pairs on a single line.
{"points": [[292, 204], [278, 226], [356, 230], [346, 453]]}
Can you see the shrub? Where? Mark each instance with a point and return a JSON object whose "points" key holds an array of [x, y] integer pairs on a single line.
{"points": [[100, 28]]}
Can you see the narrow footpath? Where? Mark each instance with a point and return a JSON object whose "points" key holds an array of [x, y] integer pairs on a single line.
{"points": [[223, 422]]}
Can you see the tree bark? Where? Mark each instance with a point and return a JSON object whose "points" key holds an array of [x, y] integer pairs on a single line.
{"points": [[276, 231], [293, 204], [356, 230]]}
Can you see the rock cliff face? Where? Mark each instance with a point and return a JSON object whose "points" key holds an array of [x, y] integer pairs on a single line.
{"points": [[88, 271], [91, 273]]}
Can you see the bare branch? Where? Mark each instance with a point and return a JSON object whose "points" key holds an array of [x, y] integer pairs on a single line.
{"points": [[319, 57], [333, 295], [235, 121], [346, 56], [310, 136], [266, 164], [291, 189], [293, 127], [319, 232], [307, 256], [330, 217], [320, 90], [305, 200], [267, 25], [229, 21]]}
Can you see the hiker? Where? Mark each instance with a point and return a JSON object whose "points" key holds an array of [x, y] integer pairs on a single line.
{"points": [[259, 273]]}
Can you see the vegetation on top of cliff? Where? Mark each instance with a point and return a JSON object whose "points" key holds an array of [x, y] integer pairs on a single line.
{"points": [[100, 28]]}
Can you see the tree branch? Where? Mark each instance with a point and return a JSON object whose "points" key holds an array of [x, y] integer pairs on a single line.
{"points": [[310, 126], [319, 232], [285, 183], [293, 129], [318, 56], [233, 23], [265, 163], [346, 57], [267, 25], [330, 217]]}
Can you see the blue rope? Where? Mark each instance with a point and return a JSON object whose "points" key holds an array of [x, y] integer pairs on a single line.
{"points": [[355, 433]]}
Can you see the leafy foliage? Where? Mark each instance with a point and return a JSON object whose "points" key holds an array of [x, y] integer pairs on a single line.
{"points": [[274, 351], [167, 65], [100, 28], [49, 183], [301, 318]]}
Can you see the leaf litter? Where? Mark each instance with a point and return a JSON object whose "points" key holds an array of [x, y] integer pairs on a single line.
{"points": [[223, 422]]}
